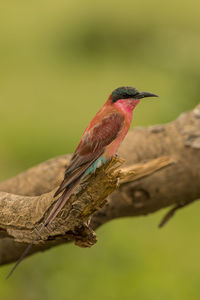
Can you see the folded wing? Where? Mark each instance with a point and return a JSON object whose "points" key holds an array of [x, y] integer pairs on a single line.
{"points": [[91, 147]]}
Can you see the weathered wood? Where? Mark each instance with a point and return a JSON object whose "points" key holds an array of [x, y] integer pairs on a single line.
{"points": [[162, 168]]}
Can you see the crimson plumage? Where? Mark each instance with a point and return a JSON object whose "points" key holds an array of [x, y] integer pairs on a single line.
{"points": [[99, 143]]}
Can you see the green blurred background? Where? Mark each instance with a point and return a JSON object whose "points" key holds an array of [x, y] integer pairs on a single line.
{"points": [[59, 60]]}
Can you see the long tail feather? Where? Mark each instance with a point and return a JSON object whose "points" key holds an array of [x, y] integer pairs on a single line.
{"points": [[56, 209], [20, 259], [56, 206], [68, 185], [61, 202], [71, 177]]}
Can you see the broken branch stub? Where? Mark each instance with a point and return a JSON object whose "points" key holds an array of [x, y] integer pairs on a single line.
{"points": [[71, 222]]}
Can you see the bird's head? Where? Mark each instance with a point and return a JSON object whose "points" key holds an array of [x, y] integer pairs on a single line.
{"points": [[128, 96]]}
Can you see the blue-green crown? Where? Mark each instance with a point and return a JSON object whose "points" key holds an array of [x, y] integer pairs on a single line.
{"points": [[124, 92]]}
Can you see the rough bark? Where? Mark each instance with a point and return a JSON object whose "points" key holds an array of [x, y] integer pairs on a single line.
{"points": [[162, 168]]}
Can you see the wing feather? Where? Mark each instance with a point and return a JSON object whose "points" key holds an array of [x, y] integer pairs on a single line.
{"points": [[91, 147]]}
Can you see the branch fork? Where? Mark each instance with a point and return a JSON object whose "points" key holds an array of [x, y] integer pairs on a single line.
{"points": [[160, 170]]}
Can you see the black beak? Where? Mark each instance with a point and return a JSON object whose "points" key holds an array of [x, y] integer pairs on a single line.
{"points": [[141, 95]]}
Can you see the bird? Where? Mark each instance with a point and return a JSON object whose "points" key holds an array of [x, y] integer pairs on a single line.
{"points": [[99, 144]]}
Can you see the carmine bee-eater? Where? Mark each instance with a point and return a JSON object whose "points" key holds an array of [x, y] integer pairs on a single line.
{"points": [[99, 143]]}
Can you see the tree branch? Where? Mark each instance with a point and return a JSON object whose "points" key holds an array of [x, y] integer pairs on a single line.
{"points": [[162, 169]]}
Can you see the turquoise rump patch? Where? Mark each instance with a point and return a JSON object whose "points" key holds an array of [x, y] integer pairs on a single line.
{"points": [[98, 163]]}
